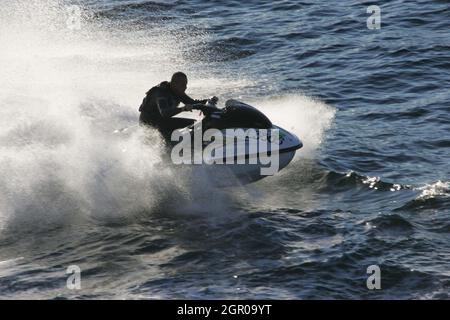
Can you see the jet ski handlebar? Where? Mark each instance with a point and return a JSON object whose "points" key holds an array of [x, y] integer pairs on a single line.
{"points": [[207, 108]]}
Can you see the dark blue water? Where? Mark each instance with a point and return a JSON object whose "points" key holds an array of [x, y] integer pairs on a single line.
{"points": [[371, 186]]}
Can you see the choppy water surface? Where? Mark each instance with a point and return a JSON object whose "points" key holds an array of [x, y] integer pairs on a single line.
{"points": [[371, 186]]}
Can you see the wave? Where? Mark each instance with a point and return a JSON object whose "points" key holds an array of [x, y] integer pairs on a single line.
{"points": [[336, 180], [417, 112], [432, 197]]}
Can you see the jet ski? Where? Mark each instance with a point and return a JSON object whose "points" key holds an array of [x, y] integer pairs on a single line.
{"points": [[249, 147]]}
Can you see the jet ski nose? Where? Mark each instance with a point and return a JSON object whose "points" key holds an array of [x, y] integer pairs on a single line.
{"points": [[289, 141], [296, 143]]}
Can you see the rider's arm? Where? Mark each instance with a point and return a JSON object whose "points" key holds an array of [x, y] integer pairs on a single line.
{"points": [[165, 109], [188, 100]]}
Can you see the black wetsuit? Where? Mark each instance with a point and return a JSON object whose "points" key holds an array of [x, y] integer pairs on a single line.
{"points": [[160, 105]]}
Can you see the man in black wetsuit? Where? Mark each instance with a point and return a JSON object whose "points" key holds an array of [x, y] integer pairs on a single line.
{"points": [[161, 104]]}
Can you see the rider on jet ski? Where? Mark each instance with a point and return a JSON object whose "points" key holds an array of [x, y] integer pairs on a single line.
{"points": [[161, 104]]}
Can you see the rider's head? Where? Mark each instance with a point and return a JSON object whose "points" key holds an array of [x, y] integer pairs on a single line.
{"points": [[178, 83]]}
